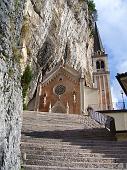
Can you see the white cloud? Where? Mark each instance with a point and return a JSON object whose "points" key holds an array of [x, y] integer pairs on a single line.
{"points": [[116, 93], [112, 22], [117, 96]]}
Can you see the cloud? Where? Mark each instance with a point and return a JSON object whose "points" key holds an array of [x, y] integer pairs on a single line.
{"points": [[117, 96], [112, 23]]}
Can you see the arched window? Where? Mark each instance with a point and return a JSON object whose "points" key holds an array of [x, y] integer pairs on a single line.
{"points": [[97, 65], [100, 65]]}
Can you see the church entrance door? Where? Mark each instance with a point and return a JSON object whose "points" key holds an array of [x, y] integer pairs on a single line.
{"points": [[58, 108]]}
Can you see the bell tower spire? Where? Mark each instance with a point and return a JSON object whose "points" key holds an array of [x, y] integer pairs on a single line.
{"points": [[101, 74], [98, 46]]}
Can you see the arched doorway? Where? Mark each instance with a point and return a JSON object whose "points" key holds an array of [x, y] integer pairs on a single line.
{"points": [[58, 108]]}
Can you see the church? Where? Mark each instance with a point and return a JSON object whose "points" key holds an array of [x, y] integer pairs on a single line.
{"points": [[65, 89]]}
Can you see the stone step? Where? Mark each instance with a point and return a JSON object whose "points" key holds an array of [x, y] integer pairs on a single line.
{"points": [[70, 119], [73, 154], [59, 125], [61, 142], [36, 167], [62, 127], [79, 141], [71, 137], [75, 159], [74, 164], [60, 133], [75, 143], [105, 147], [105, 151], [53, 121], [69, 146], [37, 114], [64, 117], [77, 154], [70, 132]]}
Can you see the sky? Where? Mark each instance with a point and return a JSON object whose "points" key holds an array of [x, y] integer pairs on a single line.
{"points": [[112, 24]]}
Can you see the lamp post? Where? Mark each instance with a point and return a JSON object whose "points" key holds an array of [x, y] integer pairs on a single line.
{"points": [[123, 100]]}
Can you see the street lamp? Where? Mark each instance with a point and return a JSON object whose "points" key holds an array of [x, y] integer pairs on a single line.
{"points": [[123, 100]]}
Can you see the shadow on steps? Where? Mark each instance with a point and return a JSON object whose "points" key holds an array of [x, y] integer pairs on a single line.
{"points": [[95, 133], [96, 140]]}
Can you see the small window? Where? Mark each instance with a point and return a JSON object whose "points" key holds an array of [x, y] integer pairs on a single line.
{"points": [[60, 78], [97, 65], [100, 65]]}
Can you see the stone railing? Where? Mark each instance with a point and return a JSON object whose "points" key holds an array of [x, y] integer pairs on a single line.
{"points": [[103, 119]]}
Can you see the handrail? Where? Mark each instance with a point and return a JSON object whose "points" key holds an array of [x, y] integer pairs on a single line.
{"points": [[103, 119]]}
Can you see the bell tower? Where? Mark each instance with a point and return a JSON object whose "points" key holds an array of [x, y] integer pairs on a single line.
{"points": [[101, 74]]}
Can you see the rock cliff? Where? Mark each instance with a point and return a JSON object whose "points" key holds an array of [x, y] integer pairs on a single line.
{"points": [[36, 33], [55, 29], [11, 14]]}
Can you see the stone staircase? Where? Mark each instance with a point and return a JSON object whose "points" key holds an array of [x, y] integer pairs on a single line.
{"points": [[52, 141]]}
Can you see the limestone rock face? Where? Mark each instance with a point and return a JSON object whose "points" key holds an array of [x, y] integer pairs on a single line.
{"points": [[56, 29], [11, 14], [46, 32]]}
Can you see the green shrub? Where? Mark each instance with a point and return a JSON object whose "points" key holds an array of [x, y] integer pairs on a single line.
{"points": [[91, 7], [25, 82]]}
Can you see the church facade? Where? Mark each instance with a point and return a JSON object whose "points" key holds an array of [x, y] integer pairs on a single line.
{"points": [[64, 89]]}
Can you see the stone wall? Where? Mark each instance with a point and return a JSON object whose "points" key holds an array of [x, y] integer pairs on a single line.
{"points": [[11, 14]]}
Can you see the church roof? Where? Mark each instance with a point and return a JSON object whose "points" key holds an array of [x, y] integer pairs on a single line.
{"points": [[98, 46], [122, 79], [65, 69]]}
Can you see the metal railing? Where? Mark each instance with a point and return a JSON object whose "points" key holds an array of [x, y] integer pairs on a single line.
{"points": [[103, 119]]}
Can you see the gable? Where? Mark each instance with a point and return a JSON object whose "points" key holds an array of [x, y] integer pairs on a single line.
{"points": [[65, 71]]}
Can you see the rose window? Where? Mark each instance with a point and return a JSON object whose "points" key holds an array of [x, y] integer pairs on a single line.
{"points": [[60, 89]]}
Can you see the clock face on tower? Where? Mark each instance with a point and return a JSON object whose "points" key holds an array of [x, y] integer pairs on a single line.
{"points": [[59, 90]]}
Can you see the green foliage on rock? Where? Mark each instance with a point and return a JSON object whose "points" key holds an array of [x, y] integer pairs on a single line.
{"points": [[16, 4], [25, 82], [16, 54], [25, 30], [91, 6]]}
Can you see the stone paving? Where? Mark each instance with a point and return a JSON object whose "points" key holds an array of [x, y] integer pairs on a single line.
{"points": [[52, 141]]}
